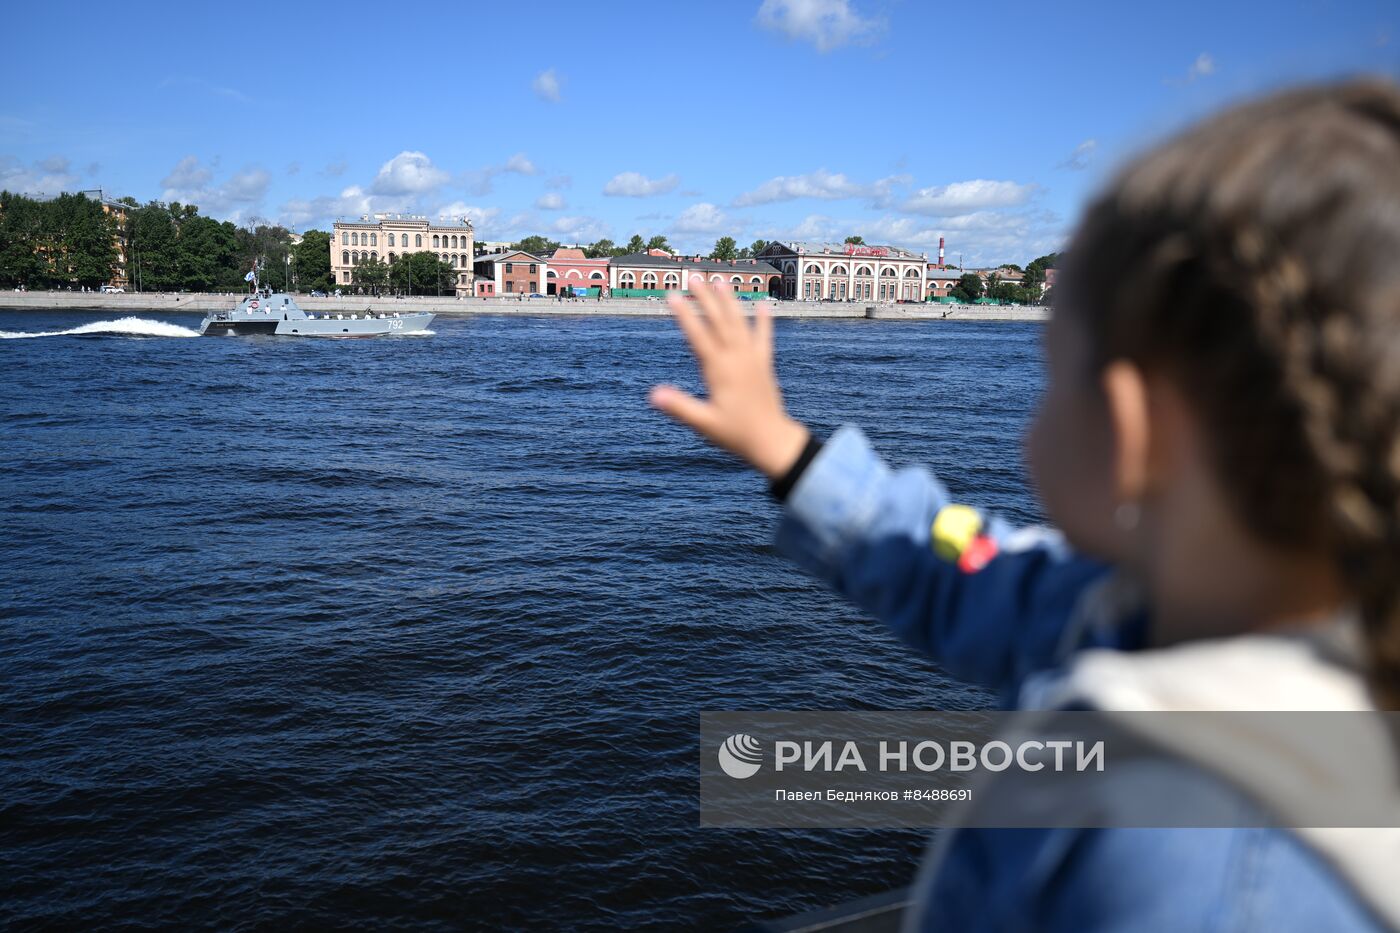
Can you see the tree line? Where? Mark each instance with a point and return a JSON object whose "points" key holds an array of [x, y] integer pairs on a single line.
{"points": [[71, 242]]}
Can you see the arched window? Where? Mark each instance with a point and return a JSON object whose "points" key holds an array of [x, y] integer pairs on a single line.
{"points": [[454, 242], [345, 257], [671, 281], [649, 280], [716, 278], [839, 270], [756, 280], [391, 239], [813, 270], [626, 279], [863, 270], [374, 255], [889, 271], [392, 257], [435, 241], [418, 239], [354, 239], [912, 274], [735, 280], [344, 238], [595, 275], [374, 239], [550, 274]]}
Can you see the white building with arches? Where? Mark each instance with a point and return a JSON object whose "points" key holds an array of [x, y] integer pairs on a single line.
{"points": [[656, 272], [847, 272], [389, 237]]}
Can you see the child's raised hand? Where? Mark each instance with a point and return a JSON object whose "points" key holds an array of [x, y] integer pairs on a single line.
{"points": [[744, 411]]}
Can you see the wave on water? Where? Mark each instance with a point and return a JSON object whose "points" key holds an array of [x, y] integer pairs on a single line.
{"points": [[124, 327]]}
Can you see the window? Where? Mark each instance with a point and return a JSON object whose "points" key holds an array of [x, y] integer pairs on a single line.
{"points": [[510, 266], [510, 286], [391, 259], [649, 280], [550, 274], [435, 241], [391, 239], [374, 239], [863, 270], [532, 268], [344, 238], [354, 239], [374, 255], [596, 275], [813, 270], [418, 239], [534, 286], [345, 257]]}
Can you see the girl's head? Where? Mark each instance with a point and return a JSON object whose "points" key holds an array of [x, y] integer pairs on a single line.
{"points": [[1223, 412]]}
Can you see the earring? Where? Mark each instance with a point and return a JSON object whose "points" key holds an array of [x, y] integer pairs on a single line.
{"points": [[1127, 516]]}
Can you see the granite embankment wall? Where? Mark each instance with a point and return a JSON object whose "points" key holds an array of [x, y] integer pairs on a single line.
{"points": [[131, 304]]}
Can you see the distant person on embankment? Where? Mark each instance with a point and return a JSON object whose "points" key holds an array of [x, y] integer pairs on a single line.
{"points": [[1219, 441]]}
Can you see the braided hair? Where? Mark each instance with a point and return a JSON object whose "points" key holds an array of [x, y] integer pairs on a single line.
{"points": [[1256, 259]]}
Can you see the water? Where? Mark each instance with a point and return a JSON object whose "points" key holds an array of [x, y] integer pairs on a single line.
{"points": [[417, 632]]}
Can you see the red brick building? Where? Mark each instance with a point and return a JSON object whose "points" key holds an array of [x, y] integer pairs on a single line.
{"points": [[510, 272]]}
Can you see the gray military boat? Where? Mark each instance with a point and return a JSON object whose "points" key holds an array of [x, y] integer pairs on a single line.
{"points": [[268, 312]]}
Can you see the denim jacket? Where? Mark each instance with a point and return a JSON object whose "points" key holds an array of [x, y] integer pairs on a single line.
{"points": [[1006, 608]]}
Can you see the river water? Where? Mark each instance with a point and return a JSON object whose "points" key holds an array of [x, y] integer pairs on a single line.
{"points": [[416, 632]]}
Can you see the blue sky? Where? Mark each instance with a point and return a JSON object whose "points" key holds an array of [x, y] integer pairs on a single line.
{"points": [[895, 119]]}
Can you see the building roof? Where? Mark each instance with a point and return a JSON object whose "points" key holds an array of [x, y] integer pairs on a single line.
{"points": [[508, 254], [573, 254], [840, 249], [704, 265]]}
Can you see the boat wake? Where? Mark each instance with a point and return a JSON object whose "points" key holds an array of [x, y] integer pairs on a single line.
{"points": [[123, 327]]}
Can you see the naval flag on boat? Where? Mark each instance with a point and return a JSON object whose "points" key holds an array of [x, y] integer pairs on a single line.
{"points": [[248, 277]]}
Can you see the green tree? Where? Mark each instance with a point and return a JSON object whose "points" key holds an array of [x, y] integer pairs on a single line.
{"points": [[538, 245], [154, 263], [423, 273], [371, 274], [599, 250], [856, 240], [1035, 271], [206, 254], [659, 242], [758, 246], [81, 247], [636, 244], [724, 249], [311, 260], [21, 262], [968, 289]]}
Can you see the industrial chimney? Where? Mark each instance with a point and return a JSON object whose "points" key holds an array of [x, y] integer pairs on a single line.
{"points": [[940, 252]]}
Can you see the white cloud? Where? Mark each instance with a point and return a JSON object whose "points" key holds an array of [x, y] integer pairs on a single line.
{"points": [[1082, 155], [546, 85], [550, 201], [963, 196], [50, 176], [188, 174], [481, 217], [482, 180], [1202, 67], [579, 229], [813, 227], [981, 238], [819, 184], [701, 218], [637, 185], [827, 24], [409, 172], [237, 199]]}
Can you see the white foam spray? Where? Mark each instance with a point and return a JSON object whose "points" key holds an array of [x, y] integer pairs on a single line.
{"points": [[124, 327]]}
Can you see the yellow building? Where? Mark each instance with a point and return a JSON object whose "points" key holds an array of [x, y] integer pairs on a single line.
{"points": [[389, 237]]}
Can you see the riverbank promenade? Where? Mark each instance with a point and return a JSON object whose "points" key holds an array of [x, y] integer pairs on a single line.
{"points": [[130, 303]]}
